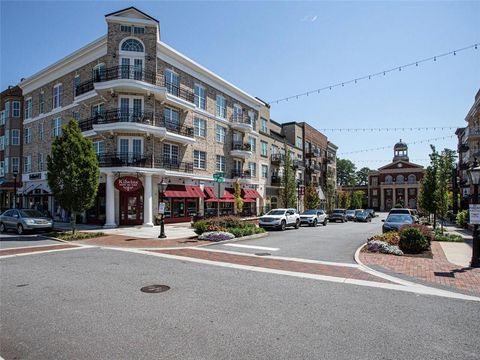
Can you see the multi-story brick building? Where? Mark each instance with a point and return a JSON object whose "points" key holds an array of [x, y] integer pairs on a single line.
{"points": [[395, 183], [153, 114], [468, 149], [11, 139]]}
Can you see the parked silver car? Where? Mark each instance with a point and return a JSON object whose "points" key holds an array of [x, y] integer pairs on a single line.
{"points": [[23, 220]]}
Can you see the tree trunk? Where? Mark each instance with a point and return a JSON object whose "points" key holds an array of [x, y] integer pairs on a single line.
{"points": [[434, 220], [74, 222]]}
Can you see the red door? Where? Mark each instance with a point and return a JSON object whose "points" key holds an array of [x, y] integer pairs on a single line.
{"points": [[131, 208]]}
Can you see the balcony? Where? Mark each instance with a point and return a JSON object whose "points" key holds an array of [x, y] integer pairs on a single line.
{"points": [[241, 174], [312, 153], [312, 167], [276, 180], [472, 132], [463, 148], [241, 122], [138, 121], [138, 80], [298, 164], [277, 159], [464, 166], [241, 150], [136, 160]]}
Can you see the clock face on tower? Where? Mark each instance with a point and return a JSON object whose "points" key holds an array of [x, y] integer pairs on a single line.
{"points": [[400, 165]]}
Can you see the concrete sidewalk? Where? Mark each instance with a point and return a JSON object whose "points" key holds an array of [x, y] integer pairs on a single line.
{"points": [[458, 253], [173, 231]]}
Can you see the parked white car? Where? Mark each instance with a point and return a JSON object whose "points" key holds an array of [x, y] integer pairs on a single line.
{"points": [[313, 217], [280, 219]]}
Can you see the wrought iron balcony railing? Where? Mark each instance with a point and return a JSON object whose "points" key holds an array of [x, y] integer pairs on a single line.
{"points": [[122, 159], [241, 174], [138, 117], [241, 146], [276, 180]]}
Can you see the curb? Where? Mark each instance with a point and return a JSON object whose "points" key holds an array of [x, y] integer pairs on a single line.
{"points": [[243, 238]]}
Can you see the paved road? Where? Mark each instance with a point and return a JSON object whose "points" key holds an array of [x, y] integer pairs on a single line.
{"points": [[87, 304], [334, 242], [12, 240]]}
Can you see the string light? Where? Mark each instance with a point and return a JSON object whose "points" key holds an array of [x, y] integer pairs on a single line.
{"points": [[407, 128], [390, 146], [384, 72]]}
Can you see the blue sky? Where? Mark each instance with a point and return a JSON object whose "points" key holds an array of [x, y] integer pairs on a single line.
{"points": [[276, 49]]}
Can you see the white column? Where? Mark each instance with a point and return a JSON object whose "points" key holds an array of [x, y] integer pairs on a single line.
{"points": [[148, 201], [110, 203], [382, 199]]}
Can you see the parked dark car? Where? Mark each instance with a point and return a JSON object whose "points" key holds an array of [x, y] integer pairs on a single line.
{"points": [[363, 216], [395, 221], [411, 212], [371, 212], [338, 215], [23, 220], [350, 215]]}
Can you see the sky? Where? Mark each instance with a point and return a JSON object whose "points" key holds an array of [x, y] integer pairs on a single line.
{"points": [[276, 49]]}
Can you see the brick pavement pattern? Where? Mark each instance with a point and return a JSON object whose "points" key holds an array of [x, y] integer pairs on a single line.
{"points": [[286, 265], [437, 270], [132, 242], [32, 249]]}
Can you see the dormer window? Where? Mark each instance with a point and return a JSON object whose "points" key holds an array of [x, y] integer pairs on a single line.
{"points": [[129, 29], [132, 45]]}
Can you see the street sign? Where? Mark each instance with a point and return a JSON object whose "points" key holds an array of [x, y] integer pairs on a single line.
{"points": [[161, 208], [219, 190], [474, 214], [219, 176]]}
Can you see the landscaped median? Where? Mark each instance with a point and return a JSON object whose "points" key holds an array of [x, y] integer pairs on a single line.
{"points": [[72, 236], [225, 228]]}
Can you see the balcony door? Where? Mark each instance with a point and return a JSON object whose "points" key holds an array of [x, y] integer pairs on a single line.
{"points": [[131, 68], [131, 108], [172, 82], [130, 151]]}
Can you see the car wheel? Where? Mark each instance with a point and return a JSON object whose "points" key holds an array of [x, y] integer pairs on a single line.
{"points": [[297, 224], [342, 221], [314, 223], [325, 222], [283, 225], [2, 227], [20, 229]]}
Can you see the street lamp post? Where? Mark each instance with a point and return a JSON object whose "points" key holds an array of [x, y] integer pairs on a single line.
{"points": [[15, 174], [474, 176], [162, 186]]}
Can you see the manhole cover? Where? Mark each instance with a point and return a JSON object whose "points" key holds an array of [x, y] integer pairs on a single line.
{"points": [[155, 288], [263, 254]]}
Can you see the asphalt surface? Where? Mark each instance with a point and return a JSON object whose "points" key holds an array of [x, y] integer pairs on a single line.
{"points": [[335, 242], [12, 240], [87, 304]]}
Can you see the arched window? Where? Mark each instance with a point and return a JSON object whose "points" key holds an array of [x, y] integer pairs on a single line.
{"points": [[388, 179], [132, 45], [400, 179], [412, 179]]}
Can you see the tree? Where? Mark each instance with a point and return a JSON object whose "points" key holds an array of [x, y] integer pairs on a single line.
{"points": [[446, 164], [312, 200], [362, 176], [330, 187], [238, 197], [345, 172], [428, 187], [73, 172], [344, 199], [357, 199], [288, 193]]}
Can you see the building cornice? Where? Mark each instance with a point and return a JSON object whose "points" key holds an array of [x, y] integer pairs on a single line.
{"points": [[75, 60], [184, 63]]}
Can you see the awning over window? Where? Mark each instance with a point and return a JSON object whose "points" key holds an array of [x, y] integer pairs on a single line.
{"points": [[250, 194], [184, 191], [227, 194]]}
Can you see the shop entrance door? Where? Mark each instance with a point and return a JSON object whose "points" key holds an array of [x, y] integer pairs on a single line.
{"points": [[131, 208]]}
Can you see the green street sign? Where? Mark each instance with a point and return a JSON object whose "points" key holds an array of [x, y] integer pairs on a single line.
{"points": [[218, 177]]}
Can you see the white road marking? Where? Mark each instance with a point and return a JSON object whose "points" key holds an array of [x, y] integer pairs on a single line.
{"points": [[417, 289], [28, 247], [253, 247], [46, 251]]}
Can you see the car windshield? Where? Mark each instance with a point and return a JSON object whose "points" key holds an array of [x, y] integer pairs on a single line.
{"points": [[310, 212], [276, 212], [399, 211], [350, 212], [358, 212], [399, 218], [30, 213], [362, 213], [338, 211]]}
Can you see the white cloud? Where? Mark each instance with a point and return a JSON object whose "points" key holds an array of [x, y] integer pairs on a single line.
{"points": [[310, 18]]}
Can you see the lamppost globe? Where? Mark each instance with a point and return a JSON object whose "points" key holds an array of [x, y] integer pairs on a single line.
{"points": [[474, 175]]}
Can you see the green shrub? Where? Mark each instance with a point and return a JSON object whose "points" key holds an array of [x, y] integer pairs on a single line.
{"points": [[200, 226], [391, 238], [69, 236], [425, 230], [238, 232], [462, 218], [412, 241]]}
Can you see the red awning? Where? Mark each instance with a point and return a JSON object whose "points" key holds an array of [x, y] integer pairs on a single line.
{"points": [[215, 200], [227, 194], [184, 191], [249, 200], [250, 194]]}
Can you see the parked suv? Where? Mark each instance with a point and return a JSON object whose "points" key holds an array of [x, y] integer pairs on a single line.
{"points": [[313, 217], [338, 215], [23, 220], [280, 219], [411, 212]]}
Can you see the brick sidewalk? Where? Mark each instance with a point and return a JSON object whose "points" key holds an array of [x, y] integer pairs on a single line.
{"points": [[132, 242], [286, 265], [437, 270]]}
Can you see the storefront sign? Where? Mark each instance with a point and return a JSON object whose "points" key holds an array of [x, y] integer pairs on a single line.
{"points": [[128, 184], [474, 213], [35, 176]]}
